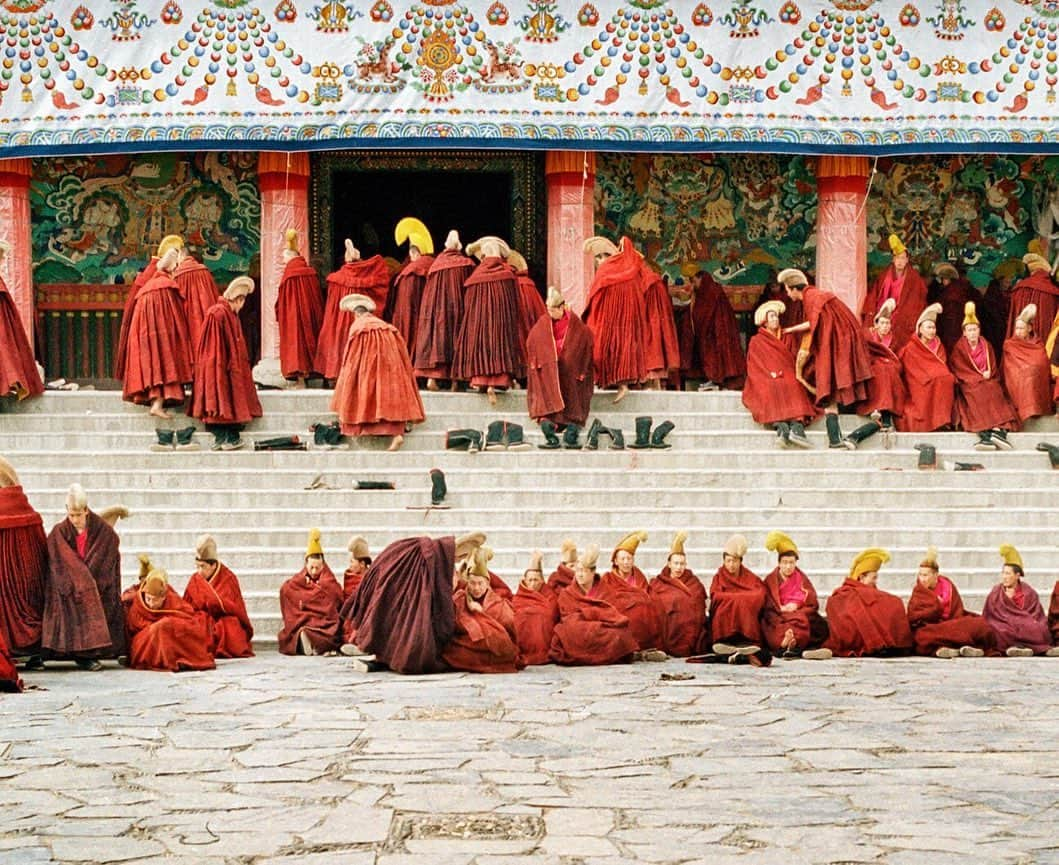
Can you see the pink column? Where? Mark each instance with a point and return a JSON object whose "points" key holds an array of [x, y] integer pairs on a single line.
{"points": [[15, 228], [283, 179], [571, 179], [842, 227]]}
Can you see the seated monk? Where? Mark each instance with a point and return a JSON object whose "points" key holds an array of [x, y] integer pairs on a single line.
{"points": [[536, 612], [484, 640], [359, 562], [737, 597], [940, 625], [214, 590], [1026, 370], [887, 392], [625, 587], [1053, 615], [310, 602], [1013, 610], [590, 632], [680, 596], [165, 633], [791, 623], [931, 386], [864, 620], [981, 404], [563, 574]]}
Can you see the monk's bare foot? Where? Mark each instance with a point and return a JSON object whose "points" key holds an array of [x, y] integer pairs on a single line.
{"points": [[395, 443], [655, 384], [157, 410], [432, 384], [623, 391], [490, 392], [299, 384], [455, 386]]}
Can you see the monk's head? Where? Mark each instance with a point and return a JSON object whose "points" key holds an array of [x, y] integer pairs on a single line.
{"points": [[772, 321], [678, 563], [1010, 576], [153, 589], [732, 564], [77, 507], [585, 575], [623, 561], [477, 585], [1022, 329], [869, 578], [533, 580], [928, 329], [314, 565], [787, 563], [900, 261], [972, 332], [883, 325], [358, 567], [927, 576], [206, 568]]}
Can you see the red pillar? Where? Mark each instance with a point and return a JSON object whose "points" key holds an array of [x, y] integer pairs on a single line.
{"points": [[16, 229], [842, 227], [571, 179]]}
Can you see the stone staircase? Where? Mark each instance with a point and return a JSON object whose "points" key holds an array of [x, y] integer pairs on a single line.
{"points": [[723, 474]]}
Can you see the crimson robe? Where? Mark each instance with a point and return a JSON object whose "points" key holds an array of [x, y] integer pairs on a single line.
{"points": [[682, 603], [405, 297], [530, 305], [440, 314], [170, 639], [931, 388], [484, 641], [1036, 288], [865, 620], [221, 599], [1027, 377], [992, 310], [158, 358], [685, 342], [1014, 625], [1053, 614], [630, 598], [122, 349], [310, 606], [403, 611], [350, 583], [9, 678], [376, 391], [661, 345], [559, 384], [981, 403], [198, 291], [223, 390], [23, 568], [300, 315], [590, 632], [809, 627], [934, 627], [560, 578], [772, 393], [617, 316], [18, 369], [910, 303], [718, 348], [488, 352], [83, 615], [953, 299], [535, 616], [369, 277], [841, 362], [886, 390], [735, 606]]}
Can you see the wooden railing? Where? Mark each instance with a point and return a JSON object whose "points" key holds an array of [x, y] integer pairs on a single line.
{"points": [[78, 327]]}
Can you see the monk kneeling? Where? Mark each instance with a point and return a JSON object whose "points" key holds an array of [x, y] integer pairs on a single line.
{"points": [[1014, 612], [484, 641], [864, 620], [165, 633], [940, 625]]}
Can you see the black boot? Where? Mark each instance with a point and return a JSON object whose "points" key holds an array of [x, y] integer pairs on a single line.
{"points": [[643, 433], [551, 438], [570, 435], [438, 489], [834, 433], [220, 436], [658, 437], [185, 439], [277, 443], [494, 436], [319, 431], [469, 440], [1000, 439], [783, 433], [617, 438], [865, 430], [592, 439], [928, 457], [165, 440], [798, 438], [1052, 451], [886, 421], [234, 442], [515, 438], [985, 441]]}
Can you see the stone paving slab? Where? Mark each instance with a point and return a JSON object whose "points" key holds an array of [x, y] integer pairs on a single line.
{"points": [[279, 761]]}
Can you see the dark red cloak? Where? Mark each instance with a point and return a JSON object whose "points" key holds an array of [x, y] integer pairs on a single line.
{"points": [[221, 599], [158, 358], [735, 606], [933, 629], [488, 351], [981, 403], [560, 578], [559, 386], [661, 345], [300, 315], [23, 568], [617, 316], [682, 603], [18, 369], [535, 616], [170, 639], [369, 277], [1036, 288], [772, 393], [864, 620], [122, 348], [1014, 625], [953, 299], [440, 314], [886, 390], [810, 629], [931, 388], [841, 361], [590, 632], [1027, 377], [530, 305], [910, 304], [484, 641], [1053, 614], [718, 348], [405, 297], [310, 606], [199, 292], [630, 598], [223, 390], [9, 678]]}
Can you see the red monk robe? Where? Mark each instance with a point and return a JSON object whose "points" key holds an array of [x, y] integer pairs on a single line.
{"points": [[617, 316], [369, 277], [122, 349], [910, 292], [488, 352], [405, 297], [1019, 620], [864, 620], [300, 314], [981, 403], [1027, 377], [222, 600], [312, 607], [840, 356], [536, 613], [772, 393], [23, 566], [938, 620], [18, 369], [1036, 288], [351, 581], [9, 678], [376, 392], [560, 578], [223, 390], [440, 314], [170, 639], [682, 603], [809, 627], [199, 292], [559, 371], [158, 361], [886, 390], [736, 602], [1053, 614], [530, 305], [484, 641], [931, 387], [718, 349], [661, 345], [953, 299], [629, 597], [590, 632]]}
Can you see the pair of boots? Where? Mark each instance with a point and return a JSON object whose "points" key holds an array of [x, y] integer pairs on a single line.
{"points": [[792, 434], [181, 440], [647, 439], [617, 437], [992, 439], [226, 438], [570, 439], [500, 434], [326, 435]]}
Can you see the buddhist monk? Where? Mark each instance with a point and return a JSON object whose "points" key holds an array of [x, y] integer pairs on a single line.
{"points": [[310, 602], [1025, 369], [661, 345], [563, 574], [680, 596], [299, 312], [737, 597], [83, 617], [887, 392], [791, 623], [624, 586], [440, 313], [376, 393], [772, 392], [365, 277], [1013, 610], [536, 612], [484, 640], [18, 368], [864, 620], [981, 404], [1036, 288], [408, 284], [931, 386], [214, 590], [23, 569], [530, 303], [223, 394], [198, 291], [940, 625], [718, 349], [590, 632], [359, 562], [1053, 615], [953, 292], [170, 241], [559, 371], [165, 632], [902, 283]]}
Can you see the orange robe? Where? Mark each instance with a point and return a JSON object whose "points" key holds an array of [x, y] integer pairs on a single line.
{"points": [[630, 598], [682, 603], [170, 639], [198, 291], [535, 616], [23, 570], [590, 632], [484, 641], [661, 346], [981, 403], [368, 277], [841, 363], [810, 629], [158, 358], [617, 316], [299, 313], [938, 620], [221, 599], [561, 577], [223, 390], [18, 369], [311, 606], [865, 620], [1053, 614], [735, 606], [405, 296], [1027, 377], [772, 393]]}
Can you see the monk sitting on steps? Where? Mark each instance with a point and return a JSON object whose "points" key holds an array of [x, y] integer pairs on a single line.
{"points": [[940, 624], [484, 641], [624, 586], [737, 596]]}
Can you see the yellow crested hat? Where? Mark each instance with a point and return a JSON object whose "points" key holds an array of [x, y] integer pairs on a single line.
{"points": [[517, 260], [416, 233], [780, 543], [241, 286], [931, 313], [946, 271], [206, 548], [630, 542], [677, 547], [480, 561], [886, 310], [1035, 261], [735, 546], [791, 277], [290, 238], [590, 556], [1028, 314], [467, 544], [870, 559], [313, 548], [359, 548], [896, 247], [568, 552], [597, 246], [930, 559], [969, 316], [762, 311], [170, 241], [351, 302], [1010, 555], [555, 298]]}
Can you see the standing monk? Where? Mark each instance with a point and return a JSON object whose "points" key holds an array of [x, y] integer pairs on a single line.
{"points": [[1013, 610], [905, 286], [931, 386], [953, 293], [530, 303], [310, 602], [863, 619], [1025, 369], [23, 568], [214, 590], [408, 284], [170, 241], [717, 345], [940, 625], [536, 612], [440, 313], [198, 291], [737, 596], [790, 620], [299, 312], [680, 596], [1037, 288], [18, 369], [661, 346], [624, 586]]}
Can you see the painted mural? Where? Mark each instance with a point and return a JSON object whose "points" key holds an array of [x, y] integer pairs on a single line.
{"points": [[98, 219]]}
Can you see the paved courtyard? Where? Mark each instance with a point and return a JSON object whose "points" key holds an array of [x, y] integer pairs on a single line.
{"points": [[303, 761]]}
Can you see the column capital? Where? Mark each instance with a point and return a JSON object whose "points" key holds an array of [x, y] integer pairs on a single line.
{"points": [[570, 162]]}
